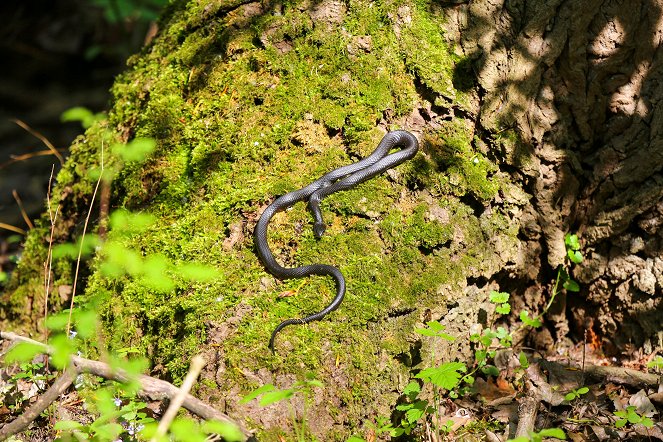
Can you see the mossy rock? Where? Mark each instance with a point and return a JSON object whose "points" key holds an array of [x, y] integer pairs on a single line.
{"points": [[247, 101]]}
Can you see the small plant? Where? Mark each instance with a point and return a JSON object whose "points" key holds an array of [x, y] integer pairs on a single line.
{"points": [[574, 256], [632, 417], [656, 363], [443, 379], [540, 435], [269, 394], [574, 394]]}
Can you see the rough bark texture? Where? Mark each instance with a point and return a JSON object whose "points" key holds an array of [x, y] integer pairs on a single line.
{"points": [[580, 81]]}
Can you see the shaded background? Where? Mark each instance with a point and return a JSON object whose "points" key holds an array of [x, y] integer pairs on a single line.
{"points": [[57, 54]]}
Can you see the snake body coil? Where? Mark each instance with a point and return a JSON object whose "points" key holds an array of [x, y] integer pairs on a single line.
{"points": [[343, 178]]}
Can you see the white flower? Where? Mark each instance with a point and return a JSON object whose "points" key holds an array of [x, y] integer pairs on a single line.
{"points": [[72, 334], [117, 401]]}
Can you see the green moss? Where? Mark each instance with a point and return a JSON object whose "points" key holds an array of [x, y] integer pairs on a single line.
{"points": [[247, 107]]}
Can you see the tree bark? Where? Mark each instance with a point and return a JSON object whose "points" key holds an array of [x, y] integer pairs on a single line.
{"points": [[580, 83]]}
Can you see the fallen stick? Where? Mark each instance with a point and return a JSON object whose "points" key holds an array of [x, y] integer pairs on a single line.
{"points": [[618, 375], [150, 388]]}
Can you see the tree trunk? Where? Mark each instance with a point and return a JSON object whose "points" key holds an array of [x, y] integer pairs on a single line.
{"points": [[580, 82], [533, 120]]}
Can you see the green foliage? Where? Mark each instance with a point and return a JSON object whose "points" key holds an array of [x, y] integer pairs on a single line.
{"points": [[576, 393], [445, 376], [86, 117], [502, 301], [136, 150], [656, 363], [573, 248], [540, 435], [23, 352], [434, 329], [269, 395], [531, 322], [631, 416]]}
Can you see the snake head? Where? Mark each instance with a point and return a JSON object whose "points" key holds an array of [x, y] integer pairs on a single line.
{"points": [[319, 229]]}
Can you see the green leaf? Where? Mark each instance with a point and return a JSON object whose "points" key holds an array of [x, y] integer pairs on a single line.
{"points": [[620, 423], [229, 432], [648, 423], [255, 393], [571, 241], [583, 390], [82, 114], [503, 309], [57, 321], [657, 362], [86, 323], [136, 150], [131, 222], [498, 297], [186, 430], [446, 375], [574, 256], [522, 358], [108, 431], [415, 413], [490, 370], [62, 350], [570, 396], [532, 322], [571, 285], [315, 383], [275, 396], [435, 329], [23, 352], [155, 269], [356, 439], [67, 425], [553, 432], [412, 387]]}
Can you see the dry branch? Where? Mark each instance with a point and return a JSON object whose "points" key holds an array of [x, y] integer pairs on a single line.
{"points": [[150, 388], [618, 375]]}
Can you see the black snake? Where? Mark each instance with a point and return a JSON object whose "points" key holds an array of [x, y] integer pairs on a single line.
{"points": [[343, 178]]}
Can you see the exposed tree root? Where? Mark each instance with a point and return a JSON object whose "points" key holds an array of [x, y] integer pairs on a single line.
{"points": [[527, 409]]}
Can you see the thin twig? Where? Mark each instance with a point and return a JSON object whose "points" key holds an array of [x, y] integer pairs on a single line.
{"points": [[80, 248], [24, 214], [42, 138], [27, 156], [24, 420], [197, 364], [49, 257], [12, 228]]}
